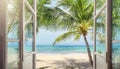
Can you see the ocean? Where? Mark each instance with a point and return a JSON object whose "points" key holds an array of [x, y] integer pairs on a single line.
{"points": [[13, 48], [62, 49]]}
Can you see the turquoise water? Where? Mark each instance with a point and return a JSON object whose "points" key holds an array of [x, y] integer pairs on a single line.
{"points": [[62, 49], [59, 48], [53, 49], [66, 49]]}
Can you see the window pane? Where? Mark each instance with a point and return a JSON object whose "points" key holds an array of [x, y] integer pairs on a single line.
{"points": [[28, 62], [101, 34], [116, 34], [116, 20], [100, 62], [99, 4], [13, 18], [116, 55], [12, 55], [30, 2], [28, 38], [28, 16], [28, 30]]}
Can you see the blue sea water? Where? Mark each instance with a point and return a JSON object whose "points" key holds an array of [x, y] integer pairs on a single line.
{"points": [[62, 49], [67, 48], [53, 49], [59, 48]]}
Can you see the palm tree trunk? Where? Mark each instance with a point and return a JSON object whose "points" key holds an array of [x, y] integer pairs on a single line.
{"points": [[88, 50]]}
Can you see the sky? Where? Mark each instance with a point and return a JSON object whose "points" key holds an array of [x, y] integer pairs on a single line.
{"points": [[45, 37]]}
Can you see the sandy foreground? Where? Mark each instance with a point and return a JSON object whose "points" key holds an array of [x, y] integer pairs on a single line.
{"points": [[63, 61]]}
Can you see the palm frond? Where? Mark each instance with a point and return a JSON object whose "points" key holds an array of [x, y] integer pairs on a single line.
{"points": [[64, 36], [77, 37]]}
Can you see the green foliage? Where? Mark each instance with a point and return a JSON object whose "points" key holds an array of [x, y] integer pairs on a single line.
{"points": [[101, 37], [116, 19], [77, 36], [46, 15], [77, 18], [64, 14], [41, 68], [13, 15], [79, 10], [65, 36], [99, 51], [79, 30]]}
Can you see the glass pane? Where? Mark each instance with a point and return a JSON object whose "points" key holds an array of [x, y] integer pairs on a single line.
{"points": [[28, 38], [101, 34], [116, 20], [28, 16], [28, 62], [115, 34], [12, 55], [116, 55], [99, 4], [30, 2], [13, 18], [100, 62], [28, 31]]}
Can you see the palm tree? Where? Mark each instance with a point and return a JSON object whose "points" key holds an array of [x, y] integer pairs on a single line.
{"points": [[80, 30], [47, 15], [77, 19]]}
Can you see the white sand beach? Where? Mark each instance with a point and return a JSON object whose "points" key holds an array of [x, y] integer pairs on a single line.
{"points": [[63, 61]]}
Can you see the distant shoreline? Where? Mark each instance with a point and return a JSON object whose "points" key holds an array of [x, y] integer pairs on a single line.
{"points": [[63, 53], [60, 45], [64, 49]]}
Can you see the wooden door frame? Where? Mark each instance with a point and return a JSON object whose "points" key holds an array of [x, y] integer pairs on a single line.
{"points": [[3, 44], [109, 34]]}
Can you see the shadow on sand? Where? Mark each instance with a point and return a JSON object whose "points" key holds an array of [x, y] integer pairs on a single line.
{"points": [[70, 63]]}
